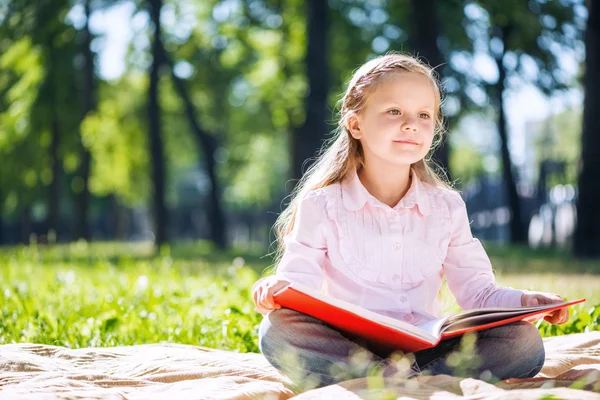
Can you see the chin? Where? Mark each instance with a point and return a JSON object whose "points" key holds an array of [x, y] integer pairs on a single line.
{"points": [[404, 159], [402, 162]]}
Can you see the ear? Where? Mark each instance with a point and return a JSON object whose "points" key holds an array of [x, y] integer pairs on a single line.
{"points": [[354, 126]]}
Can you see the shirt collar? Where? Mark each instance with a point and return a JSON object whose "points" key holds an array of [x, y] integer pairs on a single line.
{"points": [[355, 195]]}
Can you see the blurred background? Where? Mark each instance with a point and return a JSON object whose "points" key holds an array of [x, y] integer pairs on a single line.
{"points": [[167, 121]]}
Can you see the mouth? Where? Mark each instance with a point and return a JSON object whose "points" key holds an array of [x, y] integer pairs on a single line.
{"points": [[406, 141]]}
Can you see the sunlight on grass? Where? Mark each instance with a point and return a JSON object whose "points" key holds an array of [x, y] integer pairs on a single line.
{"points": [[110, 294], [126, 301]]}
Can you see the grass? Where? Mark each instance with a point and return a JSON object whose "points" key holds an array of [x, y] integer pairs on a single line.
{"points": [[111, 294]]}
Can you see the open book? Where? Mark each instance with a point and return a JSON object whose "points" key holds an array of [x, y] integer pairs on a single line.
{"points": [[398, 334]]}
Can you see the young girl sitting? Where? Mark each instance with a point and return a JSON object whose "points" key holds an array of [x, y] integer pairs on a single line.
{"points": [[371, 223]]}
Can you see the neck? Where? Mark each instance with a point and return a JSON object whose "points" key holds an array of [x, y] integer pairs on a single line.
{"points": [[388, 185]]}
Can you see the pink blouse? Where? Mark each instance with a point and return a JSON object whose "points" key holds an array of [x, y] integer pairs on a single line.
{"points": [[391, 260]]}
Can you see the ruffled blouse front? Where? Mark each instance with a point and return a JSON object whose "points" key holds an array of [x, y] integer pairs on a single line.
{"points": [[391, 260]]}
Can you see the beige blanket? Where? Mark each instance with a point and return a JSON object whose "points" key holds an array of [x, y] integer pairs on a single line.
{"points": [[171, 371]]}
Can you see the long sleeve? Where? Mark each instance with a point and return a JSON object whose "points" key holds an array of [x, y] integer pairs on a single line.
{"points": [[468, 268], [305, 246]]}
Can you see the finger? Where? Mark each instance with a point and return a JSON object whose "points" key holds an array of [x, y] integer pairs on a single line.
{"points": [[557, 317], [267, 301], [552, 318], [270, 301], [554, 298], [263, 300], [550, 315], [261, 310], [564, 316]]}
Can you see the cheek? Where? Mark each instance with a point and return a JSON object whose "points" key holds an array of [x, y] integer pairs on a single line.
{"points": [[427, 129], [376, 131]]}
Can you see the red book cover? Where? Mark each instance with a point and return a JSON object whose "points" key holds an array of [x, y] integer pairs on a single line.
{"points": [[399, 334]]}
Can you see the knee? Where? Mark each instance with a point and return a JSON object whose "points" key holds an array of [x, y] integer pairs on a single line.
{"points": [[529, 349], [274, 331]]}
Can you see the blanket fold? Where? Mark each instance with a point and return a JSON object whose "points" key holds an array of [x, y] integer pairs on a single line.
{"points": [[163, 371]]}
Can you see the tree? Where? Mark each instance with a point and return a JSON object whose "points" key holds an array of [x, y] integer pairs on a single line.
{"points": [[518, 233], [89, 104], [43, 130], [21, 150], [587, 232], [424, 34], [516, 33], [207, 144], [434, 34], [154, 129], [307, 140]]}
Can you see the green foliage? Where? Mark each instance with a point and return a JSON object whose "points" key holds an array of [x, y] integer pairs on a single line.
{"points": [[529, 39], [110, 294], [559, 138], [116, 137], [125, 300], [466, 162], [39, 105], [244, 69], [585, 319], [21, 75]]}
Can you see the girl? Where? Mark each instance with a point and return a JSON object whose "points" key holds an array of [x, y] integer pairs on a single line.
{"points": [[371, 223]]}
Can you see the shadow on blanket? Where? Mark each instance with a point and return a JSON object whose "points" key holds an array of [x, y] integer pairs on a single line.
{"points": [[159, 371]]}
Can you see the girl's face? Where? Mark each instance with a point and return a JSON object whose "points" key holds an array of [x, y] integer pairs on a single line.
{"points": [[396, 125]]}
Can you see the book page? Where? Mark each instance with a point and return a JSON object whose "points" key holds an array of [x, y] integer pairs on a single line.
{"points": [[477, 320], [435, 326], [494, 310], [471, 318]]}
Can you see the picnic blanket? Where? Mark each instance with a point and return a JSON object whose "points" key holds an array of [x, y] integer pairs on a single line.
{"points": [[172, 371]]}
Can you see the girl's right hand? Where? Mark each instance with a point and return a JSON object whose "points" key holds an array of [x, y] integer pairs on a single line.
{"points": [[263, 291]]}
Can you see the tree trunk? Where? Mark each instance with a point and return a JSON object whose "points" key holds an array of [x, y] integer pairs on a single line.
{"points": [[121, 220], [25, 233], [307, 140], [517, 229], [423, 37], [156, 143], [83, 197], [1, 215], [207, 145], [54, 189], [54, 199], [587, 232]]}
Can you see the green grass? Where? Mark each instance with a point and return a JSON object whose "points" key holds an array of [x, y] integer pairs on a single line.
{"points": [[111, 294], [116, 294]]}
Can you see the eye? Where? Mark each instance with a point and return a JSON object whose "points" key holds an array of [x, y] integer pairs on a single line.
{"points": [[394, 112], [424, 116]]}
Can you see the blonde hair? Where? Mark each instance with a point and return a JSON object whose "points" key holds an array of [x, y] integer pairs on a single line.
{"points": [[342, 153]]}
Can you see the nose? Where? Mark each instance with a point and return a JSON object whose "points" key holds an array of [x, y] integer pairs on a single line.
{"points": [[409, 125]]}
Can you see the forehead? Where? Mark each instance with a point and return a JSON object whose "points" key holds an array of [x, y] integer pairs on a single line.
{"points": [[405, 86]]}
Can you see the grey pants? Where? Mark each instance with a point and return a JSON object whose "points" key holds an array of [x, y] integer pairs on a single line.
{"points": [[313, 354]]}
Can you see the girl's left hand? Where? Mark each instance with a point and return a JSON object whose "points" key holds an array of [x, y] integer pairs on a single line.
{"points": [[557, 317]]}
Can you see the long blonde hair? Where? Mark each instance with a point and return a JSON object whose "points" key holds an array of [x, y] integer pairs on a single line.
{"points": [[342, 153]]}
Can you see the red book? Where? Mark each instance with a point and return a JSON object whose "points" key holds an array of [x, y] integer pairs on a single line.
{"points": [[399, 334]]}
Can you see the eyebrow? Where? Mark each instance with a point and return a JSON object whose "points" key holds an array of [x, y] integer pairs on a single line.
{"points": [[389, 103]]}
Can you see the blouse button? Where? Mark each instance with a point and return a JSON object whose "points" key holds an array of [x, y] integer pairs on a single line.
{"points": [[396, 246], [403, 298], [393, 214], [395, 278]]}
